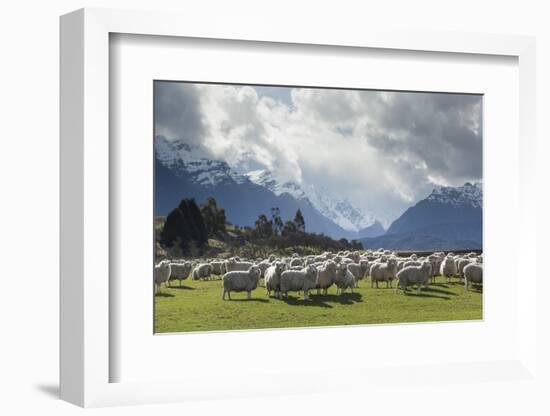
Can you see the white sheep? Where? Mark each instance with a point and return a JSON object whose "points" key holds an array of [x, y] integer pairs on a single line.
{"points": [[299, 280], [383, 272], [218, 267], [241, 281], [162, 274], [296, 262], [473, 273], [414, 275], [435, 260], [180, 271], [461, 263], [233, 265], [272, 277], [263, 265], [344, 279], [326, 275], [358, 270], [411, 263], [448, 267], [202, 271]]}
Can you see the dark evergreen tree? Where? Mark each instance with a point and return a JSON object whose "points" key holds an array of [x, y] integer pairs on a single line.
{"points": [[277, 220], [300, 222], [184, 225], [263, 226], [214, 217], [289, 229]]}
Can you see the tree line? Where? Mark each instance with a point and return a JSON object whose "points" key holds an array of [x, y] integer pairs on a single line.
{"points": [[188, 228]]}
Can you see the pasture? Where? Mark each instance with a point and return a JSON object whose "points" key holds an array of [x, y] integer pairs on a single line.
{"points": [[198, 306]]}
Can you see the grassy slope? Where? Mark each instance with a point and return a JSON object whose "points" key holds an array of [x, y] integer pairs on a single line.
{"points": [[198, 306]]}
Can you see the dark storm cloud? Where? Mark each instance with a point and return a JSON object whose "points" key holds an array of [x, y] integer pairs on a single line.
{"points": [[441, 130], [177, 111]]}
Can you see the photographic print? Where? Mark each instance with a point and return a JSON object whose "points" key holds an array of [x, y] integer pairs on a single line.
{"points": [[284, 207]]}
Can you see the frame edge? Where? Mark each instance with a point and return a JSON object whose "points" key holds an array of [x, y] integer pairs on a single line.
{"points": [[71, 216]]}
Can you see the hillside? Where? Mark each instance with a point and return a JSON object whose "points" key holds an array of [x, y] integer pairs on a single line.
{"points": [[450, 218]]}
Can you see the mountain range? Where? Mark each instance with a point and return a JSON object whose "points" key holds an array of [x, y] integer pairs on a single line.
{"points": [[181, 171], [450, 218]]}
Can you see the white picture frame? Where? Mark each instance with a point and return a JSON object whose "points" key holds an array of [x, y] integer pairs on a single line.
{"points": [[86, 356]]}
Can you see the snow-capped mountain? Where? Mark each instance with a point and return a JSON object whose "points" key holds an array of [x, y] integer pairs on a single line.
{"points": [[186, 171], [450, 218], [467, 195], [342, 212], [185, 159]]}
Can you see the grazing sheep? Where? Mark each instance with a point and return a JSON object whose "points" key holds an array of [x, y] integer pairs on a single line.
{"points": [[299, 280], [400, 265], [296, 262], [233, 265], [241, 281], [202, 271], [273, 279], [354, 256], [264, 265], [448, 267], [461, 263], [473, 273], [435, 260], [414, 275], [162, 274], [180, 271], [411, 263], [218, 267], [383, 272], [326, 275], [358, 270], [344, 279]]}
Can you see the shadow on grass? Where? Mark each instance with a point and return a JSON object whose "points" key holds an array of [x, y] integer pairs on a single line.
{"points": [[344, 299], [182, 287], [425, 295], [248, 300], [164, 295], [313, 301], [440, 291]]}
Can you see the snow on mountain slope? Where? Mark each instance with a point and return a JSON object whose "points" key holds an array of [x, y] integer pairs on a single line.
{"points": [[466, 195], [184, 159], [341, 212]]}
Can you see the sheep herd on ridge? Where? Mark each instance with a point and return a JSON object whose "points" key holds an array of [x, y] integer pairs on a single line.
{"points": [[319, 272]]}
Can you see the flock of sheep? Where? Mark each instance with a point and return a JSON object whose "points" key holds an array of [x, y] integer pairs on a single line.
{"points": [[343, 269]]}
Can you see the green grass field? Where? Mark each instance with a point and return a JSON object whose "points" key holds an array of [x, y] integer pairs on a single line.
{"points": [[198, 306]]}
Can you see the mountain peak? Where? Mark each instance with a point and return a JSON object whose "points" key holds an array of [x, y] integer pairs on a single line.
{"points": [[341, 212], [467, 195]]}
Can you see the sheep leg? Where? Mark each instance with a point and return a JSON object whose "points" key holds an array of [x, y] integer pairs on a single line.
{"points": [[223, 295], [249, 296]]}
